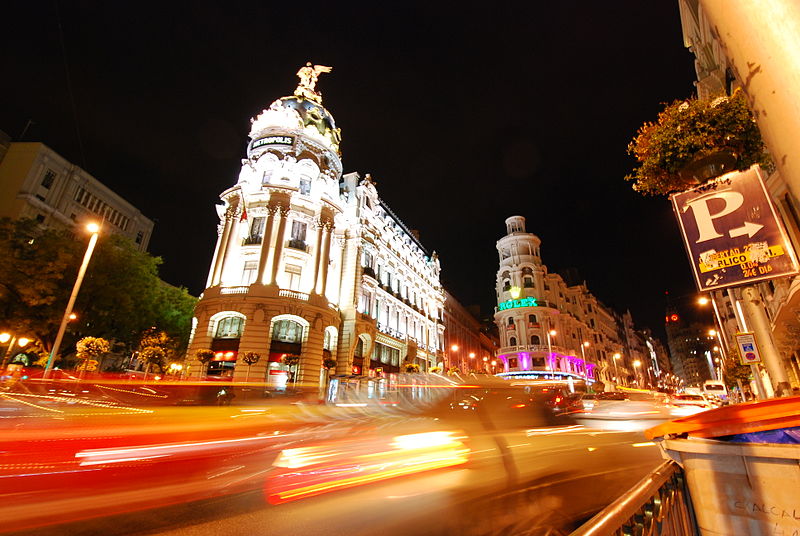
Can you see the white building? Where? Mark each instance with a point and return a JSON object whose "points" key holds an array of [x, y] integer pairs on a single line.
{"points": [[38, 183], [312, 263]]}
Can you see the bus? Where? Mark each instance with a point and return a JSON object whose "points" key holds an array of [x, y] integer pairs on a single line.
{"points": [[715, 387]]}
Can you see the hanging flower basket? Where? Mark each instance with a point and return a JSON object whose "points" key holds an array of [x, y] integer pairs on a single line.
{"points": [[694, 141], [290, 360]]}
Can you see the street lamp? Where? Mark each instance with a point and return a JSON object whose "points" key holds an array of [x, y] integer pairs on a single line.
{"points": [[95, 230], [471, 356], [551, 333], [583, 353], [616, 371], [636, 365], [22, 342], [454, 349]]}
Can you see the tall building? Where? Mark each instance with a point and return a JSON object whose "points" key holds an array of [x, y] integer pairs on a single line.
{"points": [[38, 183], [467, 345], [313, 264], [544, 325]]}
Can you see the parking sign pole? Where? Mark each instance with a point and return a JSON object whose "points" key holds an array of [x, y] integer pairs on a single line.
{"points": [[760, 325], [761, 393]]}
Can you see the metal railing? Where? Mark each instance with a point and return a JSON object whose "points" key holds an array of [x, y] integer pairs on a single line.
{"points": [[658, 505]]}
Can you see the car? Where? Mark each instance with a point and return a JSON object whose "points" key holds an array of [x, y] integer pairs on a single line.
{"points": [[689, 403]]}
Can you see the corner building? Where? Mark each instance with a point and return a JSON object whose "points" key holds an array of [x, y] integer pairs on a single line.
{"points": [[312, 263], [548, 328]]}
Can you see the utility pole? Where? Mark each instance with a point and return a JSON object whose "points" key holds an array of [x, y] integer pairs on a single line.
{"points": [[759, 323]]}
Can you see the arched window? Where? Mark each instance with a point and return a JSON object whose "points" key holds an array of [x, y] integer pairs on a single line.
{"points": [[535, 339], [532, 319], [528, 282], [512, 341], [359, 348], [229, 327], [510, 320], [287, 331]]}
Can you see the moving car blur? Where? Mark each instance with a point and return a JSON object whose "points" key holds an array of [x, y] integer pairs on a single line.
{"points": [[421, 454]]}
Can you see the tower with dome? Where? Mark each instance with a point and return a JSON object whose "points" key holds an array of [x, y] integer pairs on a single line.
{"points": [[312, 271]]}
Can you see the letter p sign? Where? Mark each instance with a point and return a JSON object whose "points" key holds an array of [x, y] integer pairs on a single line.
{"points": [[723, 203]]}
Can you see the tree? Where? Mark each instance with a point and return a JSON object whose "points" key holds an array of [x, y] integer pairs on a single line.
{"points": [[250, 359], [153, 355], [156, 347], [121, 295], [90, 351], [204, 355]]}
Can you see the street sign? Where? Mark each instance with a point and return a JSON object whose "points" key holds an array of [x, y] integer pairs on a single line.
{"points": [[748, 350], [732, 232]]}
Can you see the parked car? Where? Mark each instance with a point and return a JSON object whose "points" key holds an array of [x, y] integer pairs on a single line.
{"points": [[688, 403]]}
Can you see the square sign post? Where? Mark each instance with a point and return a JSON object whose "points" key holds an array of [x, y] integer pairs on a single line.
{"points": [[733, 233], [748, 350]]}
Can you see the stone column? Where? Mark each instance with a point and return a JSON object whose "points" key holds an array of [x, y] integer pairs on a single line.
{"points": [[233, 236], [222, 246], [279, 239], [311, 358], [326, 257], [255, 338], [317, 256], [265, 245]]}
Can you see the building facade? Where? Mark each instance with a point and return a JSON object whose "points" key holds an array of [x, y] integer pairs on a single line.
{"points": [[467, 346], [312, 266], [38, 183], [779, 298]]}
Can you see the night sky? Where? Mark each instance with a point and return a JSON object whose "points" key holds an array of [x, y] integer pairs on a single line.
{"points": [[464, 113]]}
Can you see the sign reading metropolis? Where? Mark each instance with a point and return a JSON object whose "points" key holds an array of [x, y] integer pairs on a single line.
{"points": [[732, 232], [272, 140], [514, 304]]}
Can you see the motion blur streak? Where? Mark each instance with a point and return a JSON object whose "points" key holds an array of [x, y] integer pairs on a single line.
{"points": [[329, 469], [95, 457]]}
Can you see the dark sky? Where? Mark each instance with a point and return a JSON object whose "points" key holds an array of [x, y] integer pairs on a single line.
{"points": [[465, 113]]}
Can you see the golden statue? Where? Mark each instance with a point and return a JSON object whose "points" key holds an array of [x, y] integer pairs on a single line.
{"points": [[308, 80]]}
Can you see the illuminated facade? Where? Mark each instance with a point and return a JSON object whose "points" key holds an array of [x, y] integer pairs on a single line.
{"points": [[38, 183], [312, 263]]}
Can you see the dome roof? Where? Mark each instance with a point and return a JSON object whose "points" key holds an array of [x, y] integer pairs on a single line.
{"points": [[297, 113]]}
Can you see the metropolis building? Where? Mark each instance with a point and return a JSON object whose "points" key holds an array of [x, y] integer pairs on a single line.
{"points": [[312, 263]]}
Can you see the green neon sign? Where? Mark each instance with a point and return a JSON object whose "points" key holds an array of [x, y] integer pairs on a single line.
{"points": [[515, 304]]}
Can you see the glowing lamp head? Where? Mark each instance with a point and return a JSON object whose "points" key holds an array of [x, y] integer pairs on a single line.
{"points": [[454, 348], [552, 332], [712, 332], [5, 337], [472, 355], [93, 228], [702, 300], [617, 356], [586, 344], [515, 292], [637, 363]]}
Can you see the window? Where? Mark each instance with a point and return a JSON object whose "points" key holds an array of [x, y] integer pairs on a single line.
{"points": [[512, 341], [511, 321], [532, 319], [298, 239], [293, 276], [256, 231], [40, 218], [535, 340], [40, 197], [49, 177], [229, 327], [386, 354], [528, 282], [327, 341], [139, 237], [287, 331], [506, 285], [305, 186], [250, 272]]}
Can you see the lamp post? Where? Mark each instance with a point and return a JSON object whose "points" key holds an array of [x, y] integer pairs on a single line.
{"points": [[583, 353], [95, 230], [636, 365], [22, 342], [471, 357], [486, 363], [550, 333], [616, 371], [454, 349]]}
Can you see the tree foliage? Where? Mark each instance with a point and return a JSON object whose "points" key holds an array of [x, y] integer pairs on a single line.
{"points": [[121, 295], [251, 358], [91, 348], [691, 129]]}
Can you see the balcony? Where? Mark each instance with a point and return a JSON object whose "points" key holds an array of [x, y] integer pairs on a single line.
{"points": [[298, 244], [368, 271], [252, 241], [531, 348], [234, 290], [286, 293]]}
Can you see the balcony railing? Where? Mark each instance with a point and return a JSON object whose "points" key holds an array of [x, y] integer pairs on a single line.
{"points": [[298, 244], [251, 240], [285, 293], [234, 290], [531, 348]]}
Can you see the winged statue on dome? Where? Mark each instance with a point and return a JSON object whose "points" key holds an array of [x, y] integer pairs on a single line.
{"points": [[308, 80]]}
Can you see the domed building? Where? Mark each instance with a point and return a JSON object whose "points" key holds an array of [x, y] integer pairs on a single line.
{"points": [[312, 273]]}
